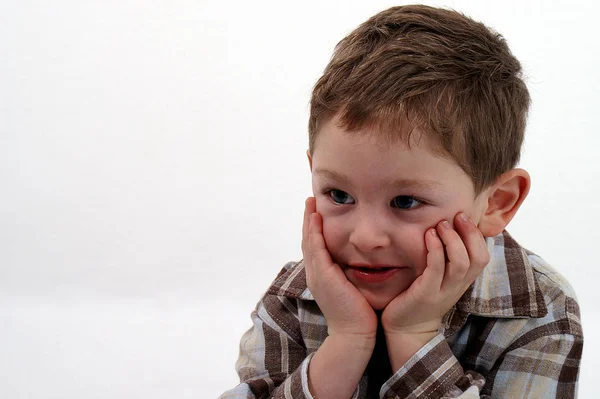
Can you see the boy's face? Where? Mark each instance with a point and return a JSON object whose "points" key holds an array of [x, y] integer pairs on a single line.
{"points": [[377, 200]]}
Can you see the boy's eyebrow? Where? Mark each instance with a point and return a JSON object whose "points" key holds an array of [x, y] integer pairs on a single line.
{"points": [[398, 183]]}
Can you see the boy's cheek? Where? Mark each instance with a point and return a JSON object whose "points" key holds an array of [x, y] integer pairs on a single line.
{"points": [[334, 232]]}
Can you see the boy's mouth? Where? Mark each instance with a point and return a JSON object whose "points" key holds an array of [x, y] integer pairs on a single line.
{"points": [[371, 269], [372, 273]]}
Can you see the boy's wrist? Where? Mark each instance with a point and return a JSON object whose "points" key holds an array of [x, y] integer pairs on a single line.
{"points": [[413, 329], [402, 346], [337, 366], [354, 341]]}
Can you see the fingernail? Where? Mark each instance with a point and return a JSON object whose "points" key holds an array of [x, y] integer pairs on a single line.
{"points": [[433, 232], [445, 224], [463, 217]]}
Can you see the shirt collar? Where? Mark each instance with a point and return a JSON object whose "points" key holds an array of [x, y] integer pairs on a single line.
{"points": [[507, 287], [291, 282]]}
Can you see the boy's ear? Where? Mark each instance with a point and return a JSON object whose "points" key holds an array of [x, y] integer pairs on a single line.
{"points": [[309, 159], [503, 200]]}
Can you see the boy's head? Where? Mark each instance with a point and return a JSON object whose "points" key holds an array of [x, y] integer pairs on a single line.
{"points": [[433, 69], [419, 115]]}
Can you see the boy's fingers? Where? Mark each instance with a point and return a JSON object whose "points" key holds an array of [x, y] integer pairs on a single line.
{"points": [[475, 244], [318, 251], [458, 257], [436, 260], [309, 208]]}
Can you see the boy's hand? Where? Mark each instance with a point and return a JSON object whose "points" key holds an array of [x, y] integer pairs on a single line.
{"points": [[348, 313], [419, 310]]}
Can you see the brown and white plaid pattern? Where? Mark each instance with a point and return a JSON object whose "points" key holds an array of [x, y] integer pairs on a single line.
{"points": [[515, 333]]}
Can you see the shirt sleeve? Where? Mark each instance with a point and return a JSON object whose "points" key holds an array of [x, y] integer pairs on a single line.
{"points": [[273, 361], [538, 366]]}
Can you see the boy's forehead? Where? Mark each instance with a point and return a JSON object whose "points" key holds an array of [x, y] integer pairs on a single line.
{"points": [[407, 135], [377, 161]]}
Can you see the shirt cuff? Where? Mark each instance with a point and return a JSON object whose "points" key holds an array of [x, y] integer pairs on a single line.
{"points": [[303, 372], [301, 390], [430, 373]]}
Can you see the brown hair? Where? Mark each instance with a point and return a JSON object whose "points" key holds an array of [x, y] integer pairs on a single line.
{"points": [[437, 69]]}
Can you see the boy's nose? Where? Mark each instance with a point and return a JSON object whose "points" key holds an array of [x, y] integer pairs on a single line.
{"points": [[368, 235]]}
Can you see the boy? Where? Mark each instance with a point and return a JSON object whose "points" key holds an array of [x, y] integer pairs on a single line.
{"points": [[410, 287]]}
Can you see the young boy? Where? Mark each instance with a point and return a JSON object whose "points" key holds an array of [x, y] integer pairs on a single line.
{"points": [[410, 287]]}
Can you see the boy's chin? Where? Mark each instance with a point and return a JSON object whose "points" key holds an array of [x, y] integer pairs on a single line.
{"points": [[379, 299], [377, 302]]}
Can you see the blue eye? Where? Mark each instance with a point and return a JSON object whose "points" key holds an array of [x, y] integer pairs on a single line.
{"points": [[405, 202], [340, 197]]}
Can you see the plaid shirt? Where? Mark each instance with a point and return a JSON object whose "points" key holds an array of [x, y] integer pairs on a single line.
{"points": [[515, 333]]}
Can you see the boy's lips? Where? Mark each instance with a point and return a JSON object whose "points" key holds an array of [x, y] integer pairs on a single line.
{"points": [[373, 266], [372, 273]]}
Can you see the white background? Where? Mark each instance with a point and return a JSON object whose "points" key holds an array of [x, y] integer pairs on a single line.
{"points": [[153, 174]]}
